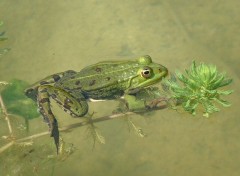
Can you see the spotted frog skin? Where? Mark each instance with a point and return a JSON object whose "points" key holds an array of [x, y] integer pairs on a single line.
{"points": [[102, 81]]}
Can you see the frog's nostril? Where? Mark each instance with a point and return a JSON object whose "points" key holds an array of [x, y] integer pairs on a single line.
{"points": [[163, 70]]}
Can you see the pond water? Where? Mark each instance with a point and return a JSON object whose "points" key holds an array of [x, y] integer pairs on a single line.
{"points": [[47, 37]]}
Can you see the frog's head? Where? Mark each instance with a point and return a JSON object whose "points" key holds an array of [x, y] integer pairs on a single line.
{"points": [[148, 73]]}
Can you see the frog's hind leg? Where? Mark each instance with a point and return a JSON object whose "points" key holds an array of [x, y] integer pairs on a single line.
{"points": [[73, 103], [45, 110]]}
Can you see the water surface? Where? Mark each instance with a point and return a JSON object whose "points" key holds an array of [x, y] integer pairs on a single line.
{"points": [[52, 36]]}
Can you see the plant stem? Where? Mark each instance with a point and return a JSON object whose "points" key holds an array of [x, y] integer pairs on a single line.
{"points": [[5, 147], [76, 125], [66, 128], [69, 127], [5, 114]]}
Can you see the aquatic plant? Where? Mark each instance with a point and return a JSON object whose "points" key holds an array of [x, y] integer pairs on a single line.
{"points": [[199, 87], [93, 132], [2, 38], [15, 100]]}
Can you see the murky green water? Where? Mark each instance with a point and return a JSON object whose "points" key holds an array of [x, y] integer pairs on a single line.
{"points": [[52, 36]]}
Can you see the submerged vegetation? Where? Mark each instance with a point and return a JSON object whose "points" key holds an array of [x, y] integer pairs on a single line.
{"points": [[199, 88], [16, 101], [2, 38]]}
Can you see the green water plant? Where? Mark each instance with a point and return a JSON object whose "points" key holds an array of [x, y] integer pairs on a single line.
{"points": [[200, 88], [15, 100], [2, 38]]}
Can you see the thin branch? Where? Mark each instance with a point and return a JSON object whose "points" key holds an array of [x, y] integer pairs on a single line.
{"points": [[5, 147], [5, 114], [80, 124], [76, 125], [66, 128]]}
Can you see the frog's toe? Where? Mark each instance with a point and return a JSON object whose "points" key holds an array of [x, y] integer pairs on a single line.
{"points": [[55, 134]]}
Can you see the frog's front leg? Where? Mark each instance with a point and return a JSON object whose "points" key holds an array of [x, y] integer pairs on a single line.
{"points": [[133, 103], [73, 103]]}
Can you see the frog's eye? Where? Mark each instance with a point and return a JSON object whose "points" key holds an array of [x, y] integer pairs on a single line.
{"points": [[146, 72]]}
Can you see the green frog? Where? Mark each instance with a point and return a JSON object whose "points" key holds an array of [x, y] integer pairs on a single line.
{"points": [[106, 80]]}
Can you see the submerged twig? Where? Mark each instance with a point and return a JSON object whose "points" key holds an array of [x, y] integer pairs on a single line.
{"points": [[75, 125], [66, 128], [5, 115], [5, 147]]}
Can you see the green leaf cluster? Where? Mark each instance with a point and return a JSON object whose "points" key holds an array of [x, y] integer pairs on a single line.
{"points": [[200, 86], [16, 102]]}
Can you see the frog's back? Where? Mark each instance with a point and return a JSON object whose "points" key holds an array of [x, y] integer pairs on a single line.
{"points": [[105, 74], [108, 67], [104, 80]]}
